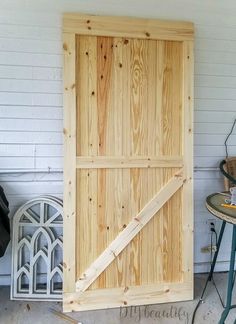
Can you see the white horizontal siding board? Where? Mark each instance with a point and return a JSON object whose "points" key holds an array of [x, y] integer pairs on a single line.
{"points": [[215, 57], [29, 73], [49, 150], [207, 162], [7, 150], [31, 99], [215, 104], [212, 128], [30, 46], [22, 137], [36, 188], [211, 139], [212, 151], [215, 44], [206, 176], [215, 81], [15, 72], [29, 32], [30, 125], [49, 163], [215, 69], [30, 86], [29, 112], [216, 32], [16, 162], [47, 99], [40, 73], [30, 19], [31, 59], [30, 177], [215, 93], [215, 116]]}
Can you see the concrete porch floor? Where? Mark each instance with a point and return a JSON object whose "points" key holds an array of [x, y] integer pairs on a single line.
{"points": [[18, 312]]}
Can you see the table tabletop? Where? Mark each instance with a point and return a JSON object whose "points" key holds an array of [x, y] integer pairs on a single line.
{"points": [[213, 204]]}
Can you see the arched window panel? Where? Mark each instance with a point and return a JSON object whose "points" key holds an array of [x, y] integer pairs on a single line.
{"points": [[37, 250]]}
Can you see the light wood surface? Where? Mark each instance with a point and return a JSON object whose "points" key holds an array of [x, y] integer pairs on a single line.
{"points": [[127, 296], [127, 235], [113, 162], [133, 162], [127, 27], [69, 269]]}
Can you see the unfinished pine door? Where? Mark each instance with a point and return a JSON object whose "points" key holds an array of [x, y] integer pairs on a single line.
{"points": [[128, 162]]}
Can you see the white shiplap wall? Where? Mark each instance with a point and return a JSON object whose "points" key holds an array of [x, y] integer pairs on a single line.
{"points": [[30, 110], [31, 99]]}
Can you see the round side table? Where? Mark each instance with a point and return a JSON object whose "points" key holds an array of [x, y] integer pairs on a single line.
{"points": [[226, 214]]}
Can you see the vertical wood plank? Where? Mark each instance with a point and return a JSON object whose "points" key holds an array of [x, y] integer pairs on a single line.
{"points": [[115, 270], [138, 133], [187, 120], [92, 146], [104, 69], [82, 89], [172, 126], [150, 234], [69, 246], [126, 138]]}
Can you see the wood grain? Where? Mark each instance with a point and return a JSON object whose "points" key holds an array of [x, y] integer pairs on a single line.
{"points": [[128, 296], [121, 162], [133, 115], [128, 234], [127, 27], [69, 247]]}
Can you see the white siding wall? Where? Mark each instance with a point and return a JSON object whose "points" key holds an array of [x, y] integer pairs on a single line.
{"points": [[31, 102]]}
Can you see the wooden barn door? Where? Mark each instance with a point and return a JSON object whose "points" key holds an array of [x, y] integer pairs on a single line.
{"points": [[128, 162]]}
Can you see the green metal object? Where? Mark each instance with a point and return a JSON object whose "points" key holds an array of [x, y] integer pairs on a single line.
{"points": [[228, 305]]}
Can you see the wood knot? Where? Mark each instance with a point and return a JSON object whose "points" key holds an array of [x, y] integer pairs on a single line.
{"points": [[124, 226], [86, 53], [89, 27], [147, 34], [125, 302], [167, 290], [126, 41], [88, 21], [93, 93], [126, 289], [120, 65], [71, 302], [108, 228]]}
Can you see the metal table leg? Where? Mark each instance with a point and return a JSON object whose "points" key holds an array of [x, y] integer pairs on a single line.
{"points": [[230, 278]]}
